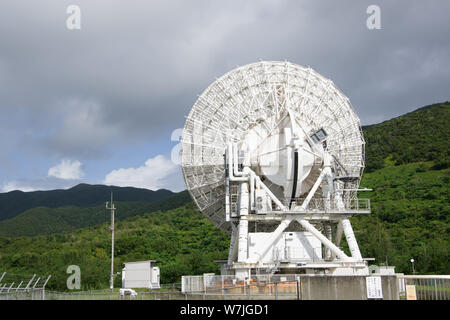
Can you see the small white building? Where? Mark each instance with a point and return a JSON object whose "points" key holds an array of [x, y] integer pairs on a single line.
{"points": [[140, 274], [382, 270]]}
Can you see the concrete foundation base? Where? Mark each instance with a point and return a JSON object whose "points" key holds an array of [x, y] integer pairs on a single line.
{"points": [[344, 287]]}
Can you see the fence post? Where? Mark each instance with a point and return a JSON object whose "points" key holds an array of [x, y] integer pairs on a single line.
{"points": [[444, 287], [435, 290], [276, 290], [248, 292], [297, 289]]}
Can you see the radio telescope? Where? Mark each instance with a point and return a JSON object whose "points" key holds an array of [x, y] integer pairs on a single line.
{"points": [[273, 153]]}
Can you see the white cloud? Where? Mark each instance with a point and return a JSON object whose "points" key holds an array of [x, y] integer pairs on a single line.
{"points": [[67, 170], [157, 173], [41, 184], [14, 185]]}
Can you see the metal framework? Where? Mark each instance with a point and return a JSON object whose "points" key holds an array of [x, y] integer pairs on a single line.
{"points": [[231, 142]]}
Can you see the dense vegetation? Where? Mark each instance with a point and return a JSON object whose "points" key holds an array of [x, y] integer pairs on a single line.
{"points": [[421, 135], [83, 195], [410, 218], [181, 240], [407, 161], [44, 220]]}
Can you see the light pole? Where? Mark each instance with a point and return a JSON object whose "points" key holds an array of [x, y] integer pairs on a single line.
{"points": [[412, 262], [112, 208]]}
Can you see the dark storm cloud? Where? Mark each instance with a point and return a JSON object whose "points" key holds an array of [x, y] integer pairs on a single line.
{"points": [[135, 68]]}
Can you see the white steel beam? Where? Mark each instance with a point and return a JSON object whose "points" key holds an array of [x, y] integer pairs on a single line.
{"points": [[233, 245], [273, 238], [338, 237], [314, 189], [329, 235], [351, 239], [309, 227], [243, 223], [243, 240], [339, 231]]}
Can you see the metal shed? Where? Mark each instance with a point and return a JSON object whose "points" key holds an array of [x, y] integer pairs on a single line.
{"points": [[140, 274]]}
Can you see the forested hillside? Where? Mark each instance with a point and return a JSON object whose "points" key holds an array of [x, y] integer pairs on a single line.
{"points": [[410, 218], [83, 195], [181, 240], [421, 135], [44, 220]]}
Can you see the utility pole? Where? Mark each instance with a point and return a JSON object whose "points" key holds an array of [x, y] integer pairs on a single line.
{"points": [[112, 208]]}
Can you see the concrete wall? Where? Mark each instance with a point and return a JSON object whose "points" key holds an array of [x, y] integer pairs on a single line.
{"points": [[344, 288]]}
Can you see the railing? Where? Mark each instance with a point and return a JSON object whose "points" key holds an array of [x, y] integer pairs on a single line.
{"points": [[318, 205], [212, 283], [432, 287], [282, 290], [326, 206]]}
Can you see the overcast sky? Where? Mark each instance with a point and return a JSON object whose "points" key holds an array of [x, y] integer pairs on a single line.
{"points": [[99, 104]]}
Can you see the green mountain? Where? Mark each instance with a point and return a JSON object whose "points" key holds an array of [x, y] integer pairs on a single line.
{"points": [[83, 195], [421, 135], [44, 220]]}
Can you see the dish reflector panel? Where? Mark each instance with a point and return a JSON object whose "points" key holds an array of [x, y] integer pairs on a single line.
{"points": [[258, 94]]}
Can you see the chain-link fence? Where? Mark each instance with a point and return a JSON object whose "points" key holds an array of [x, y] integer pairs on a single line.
{"points": [[30, 294], [257, 291], [108, 295], [262, 287]]}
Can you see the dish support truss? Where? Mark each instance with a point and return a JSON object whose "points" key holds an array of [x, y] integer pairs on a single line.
{"points": [[322, 214]]}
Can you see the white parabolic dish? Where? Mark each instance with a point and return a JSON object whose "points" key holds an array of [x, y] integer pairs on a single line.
{"points": [[255, 95]]}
